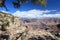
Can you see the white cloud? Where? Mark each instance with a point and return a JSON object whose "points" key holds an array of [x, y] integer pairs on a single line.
{"points": [[51, 15], [5, 11], [35, 13]]}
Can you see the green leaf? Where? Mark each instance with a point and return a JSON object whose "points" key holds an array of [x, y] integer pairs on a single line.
{"points": [[42, 2]]}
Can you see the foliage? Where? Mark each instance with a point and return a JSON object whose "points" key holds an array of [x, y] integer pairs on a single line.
{"points": [[17, 3]]}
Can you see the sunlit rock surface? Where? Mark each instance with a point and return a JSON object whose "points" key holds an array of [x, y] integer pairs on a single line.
{"points": [[13, 28]]}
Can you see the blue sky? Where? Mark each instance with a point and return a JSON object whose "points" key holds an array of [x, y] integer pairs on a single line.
{"points": [[30, 10]]}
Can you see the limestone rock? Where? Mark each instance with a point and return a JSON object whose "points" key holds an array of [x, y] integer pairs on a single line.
{"points": [[12, 28]]}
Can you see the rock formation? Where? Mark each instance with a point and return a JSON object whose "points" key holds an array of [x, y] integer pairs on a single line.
{"points": [[12, 28]]}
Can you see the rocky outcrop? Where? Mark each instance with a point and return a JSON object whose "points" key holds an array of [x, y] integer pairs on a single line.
{"points": [[12, 28], [9, 26]]}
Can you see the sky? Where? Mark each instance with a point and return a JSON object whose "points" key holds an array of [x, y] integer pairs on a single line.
{"points": [[31, 10]]}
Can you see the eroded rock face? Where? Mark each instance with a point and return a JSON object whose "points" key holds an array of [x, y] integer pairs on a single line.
{"points": [[38, 35], [9, 26], [12, 28], [7, 20]]}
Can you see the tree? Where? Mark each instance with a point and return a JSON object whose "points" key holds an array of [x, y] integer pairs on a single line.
{"points": [[41, 2], [2, 4], [17, 3]]}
